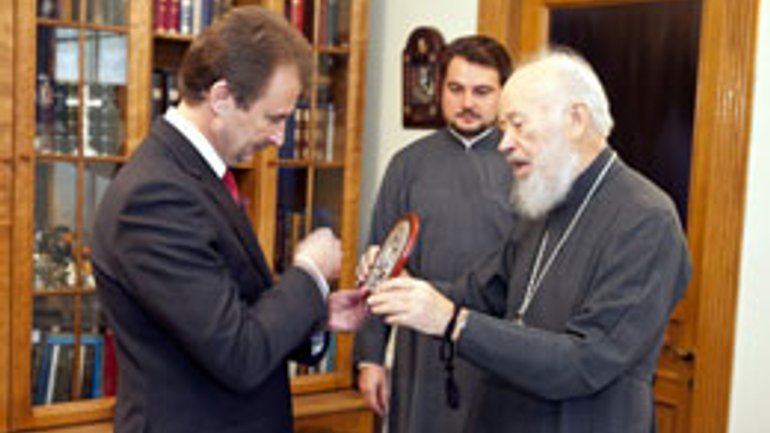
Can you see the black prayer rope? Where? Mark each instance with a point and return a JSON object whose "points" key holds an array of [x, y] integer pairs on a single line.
{"points": [[447, 356]]}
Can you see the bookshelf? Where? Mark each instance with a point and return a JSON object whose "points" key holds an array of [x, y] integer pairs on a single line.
{"points": [[101, 71]]}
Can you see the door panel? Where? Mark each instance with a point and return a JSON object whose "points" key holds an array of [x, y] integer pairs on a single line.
{"points": [[646, 55], [647, 58]]}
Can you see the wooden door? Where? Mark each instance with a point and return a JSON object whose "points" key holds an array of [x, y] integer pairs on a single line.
{"points": [[646, 54], [708, 167]]}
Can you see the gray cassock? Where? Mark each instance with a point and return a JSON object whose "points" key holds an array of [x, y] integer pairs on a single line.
{"points": [[462, 199], [585, 358]]}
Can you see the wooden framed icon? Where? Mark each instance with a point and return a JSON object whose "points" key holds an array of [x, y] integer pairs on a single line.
{"points": [[394, 250], [421, 79]]}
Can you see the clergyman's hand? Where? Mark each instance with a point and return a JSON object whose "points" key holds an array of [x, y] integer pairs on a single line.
{"points": [[373, 385], [365, 262], [412, 303]]}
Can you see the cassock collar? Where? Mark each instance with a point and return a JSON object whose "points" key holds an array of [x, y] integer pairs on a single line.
{"points": [[583, 183], [469, 142]]}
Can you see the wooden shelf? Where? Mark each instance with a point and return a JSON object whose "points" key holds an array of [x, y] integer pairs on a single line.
{"points": [[307, 163], [328, 402], [337, 50], [58, 23], [53, 157], [173, 37], [340, 404], [63, 292], [329, 165]]}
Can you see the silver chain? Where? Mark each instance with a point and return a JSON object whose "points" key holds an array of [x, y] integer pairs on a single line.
{"points": [[536, 276]]}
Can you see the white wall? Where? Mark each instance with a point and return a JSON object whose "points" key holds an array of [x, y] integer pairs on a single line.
{"points": [[749, 410], [390, 22]]}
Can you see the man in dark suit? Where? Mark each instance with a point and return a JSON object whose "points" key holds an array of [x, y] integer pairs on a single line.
{"points": [[202, 333]]}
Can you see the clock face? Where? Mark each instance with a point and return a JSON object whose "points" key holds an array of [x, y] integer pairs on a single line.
{"points": [[394, 251]]}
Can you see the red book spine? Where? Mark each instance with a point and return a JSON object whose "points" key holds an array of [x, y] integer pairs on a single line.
{"points": [[172, 25], [157, 17], [110, 365], [166, 20], [297, 14], [323, 30]]}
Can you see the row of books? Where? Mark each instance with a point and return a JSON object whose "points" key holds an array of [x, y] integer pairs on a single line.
{"points": [[110, 12], [165, 93], [297, 137], [186, 17], [57, 118], [333, 18], [54, 360], [290, 229]]}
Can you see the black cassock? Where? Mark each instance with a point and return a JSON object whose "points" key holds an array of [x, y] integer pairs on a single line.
{"points": [[585, 358]]}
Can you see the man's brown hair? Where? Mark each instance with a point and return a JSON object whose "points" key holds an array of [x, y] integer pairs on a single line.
{"points": [[244, 48], [481, 50]]}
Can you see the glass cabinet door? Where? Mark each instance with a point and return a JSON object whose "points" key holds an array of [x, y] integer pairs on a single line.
{"points": [[81, 68]]}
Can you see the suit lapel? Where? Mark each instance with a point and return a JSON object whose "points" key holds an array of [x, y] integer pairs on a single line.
{"points": [[238, 220], [193, 163]]}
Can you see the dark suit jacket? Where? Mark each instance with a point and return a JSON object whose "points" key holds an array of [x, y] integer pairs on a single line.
{"points": [[202, 334]]}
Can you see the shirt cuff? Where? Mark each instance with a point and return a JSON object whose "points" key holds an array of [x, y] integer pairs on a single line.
{"points": [[317, 343], [308, 266], [364, 364]]}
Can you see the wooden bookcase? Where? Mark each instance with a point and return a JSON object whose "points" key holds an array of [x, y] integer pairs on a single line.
{"points": [[76, 101]]}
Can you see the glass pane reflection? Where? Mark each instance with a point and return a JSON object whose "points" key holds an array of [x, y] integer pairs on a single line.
{"points": [[55, 198], [104, 93], [57, 99], [96, 179], [103, 129], [327, 205], [107, 12], [59, 9], [105, 57]]}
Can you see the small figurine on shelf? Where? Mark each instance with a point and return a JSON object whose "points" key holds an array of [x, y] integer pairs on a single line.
{"points": [[54, 263], [47, 9], [86, 268]]}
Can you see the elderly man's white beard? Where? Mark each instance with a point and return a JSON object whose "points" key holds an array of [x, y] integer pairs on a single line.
{"points": [[549, 181]]}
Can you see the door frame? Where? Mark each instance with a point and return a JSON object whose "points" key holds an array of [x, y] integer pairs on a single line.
{"points": [[718, 175]]}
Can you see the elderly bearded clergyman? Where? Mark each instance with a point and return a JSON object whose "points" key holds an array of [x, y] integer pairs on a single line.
{"points": [[567, 318]]}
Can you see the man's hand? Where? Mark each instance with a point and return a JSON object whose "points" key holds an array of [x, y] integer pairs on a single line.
{"points": [[365, 263], [373, 385], [347, 310], [412, 303], [322, 249]]}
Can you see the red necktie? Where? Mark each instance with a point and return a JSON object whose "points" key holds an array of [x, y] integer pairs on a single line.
{"points": [[232, 187]]}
